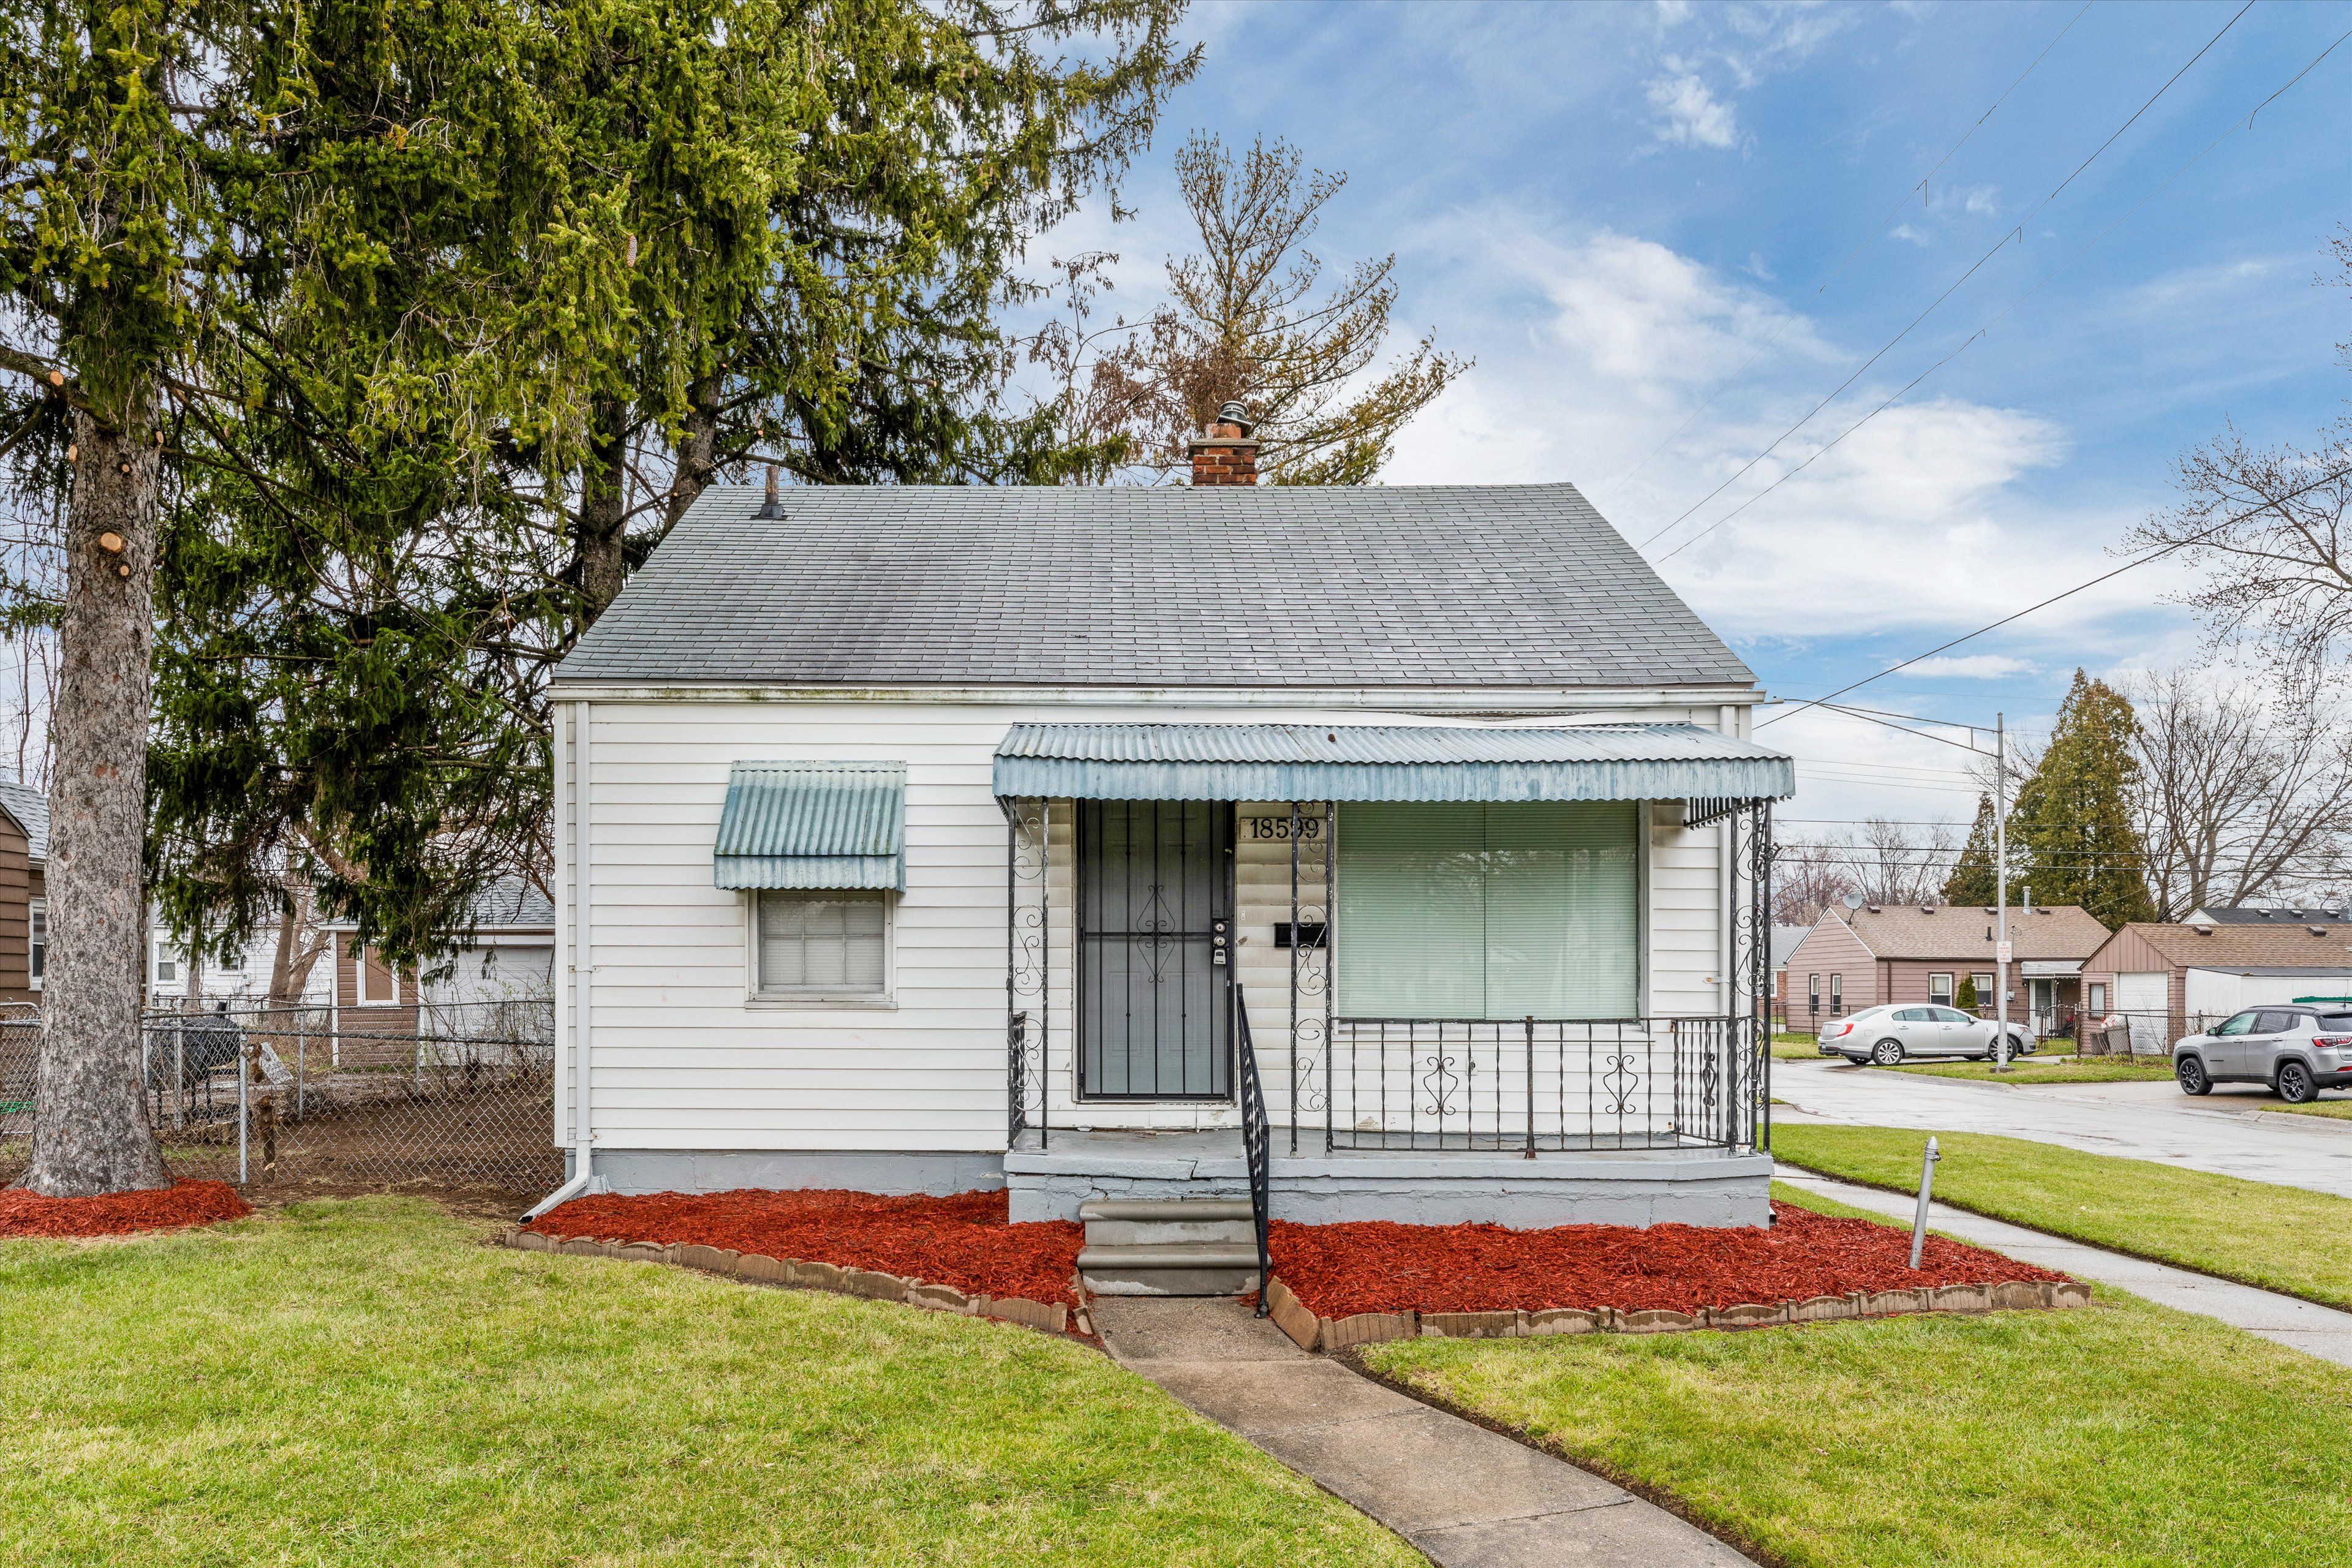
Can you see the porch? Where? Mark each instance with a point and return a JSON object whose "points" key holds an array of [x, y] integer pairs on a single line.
{"points": [[1050, 1178], [1428, 975]]}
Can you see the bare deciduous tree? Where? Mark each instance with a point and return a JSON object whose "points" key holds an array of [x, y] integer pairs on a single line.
{"points": [[2241, 796], [2272, 528], [1890, 863]]}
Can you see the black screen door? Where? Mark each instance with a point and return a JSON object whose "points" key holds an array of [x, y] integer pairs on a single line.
{"points": [[1155, 890]]}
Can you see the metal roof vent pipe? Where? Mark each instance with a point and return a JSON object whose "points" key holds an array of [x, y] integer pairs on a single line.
{"points": [[773, 507], [1227, 455]]}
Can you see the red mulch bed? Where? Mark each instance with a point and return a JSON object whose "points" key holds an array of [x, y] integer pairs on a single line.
{"points": [[1337, 1270], [114, 1213], [964, 1241]]}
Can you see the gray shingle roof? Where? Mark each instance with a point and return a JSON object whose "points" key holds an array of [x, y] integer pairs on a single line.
{"points": [[31, 807], [1507, 585]]}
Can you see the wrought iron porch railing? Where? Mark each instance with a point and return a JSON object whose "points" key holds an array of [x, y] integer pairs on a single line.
{"points": [[1257, 1138], [1527, 1085]]}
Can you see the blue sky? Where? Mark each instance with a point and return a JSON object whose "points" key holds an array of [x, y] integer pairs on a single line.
{"points": [[1635, 218]]}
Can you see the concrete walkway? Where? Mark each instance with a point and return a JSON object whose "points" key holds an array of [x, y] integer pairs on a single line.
{"points": [[1466, 1497], [2322, 1331]]}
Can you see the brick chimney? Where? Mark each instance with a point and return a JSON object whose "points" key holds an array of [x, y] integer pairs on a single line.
{"points": [[1227, 455]]}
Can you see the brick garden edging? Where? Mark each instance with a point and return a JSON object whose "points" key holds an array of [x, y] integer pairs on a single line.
{"points": [[1053, 1317], [1311, 1332]]}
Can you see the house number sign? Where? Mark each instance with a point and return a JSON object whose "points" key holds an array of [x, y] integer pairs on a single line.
{"points": [[1263, 827]]}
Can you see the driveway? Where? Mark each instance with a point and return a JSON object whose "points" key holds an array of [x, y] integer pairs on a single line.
{"points": [[2133, 1121]]}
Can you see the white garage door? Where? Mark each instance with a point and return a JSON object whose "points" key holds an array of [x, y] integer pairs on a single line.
{"points": [[2145, 999]]}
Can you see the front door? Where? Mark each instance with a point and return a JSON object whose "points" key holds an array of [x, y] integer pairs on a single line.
{"points": [[1155, 919]]}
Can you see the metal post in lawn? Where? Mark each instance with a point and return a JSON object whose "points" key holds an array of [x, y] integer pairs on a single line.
{"points": [[1927, 1184]]}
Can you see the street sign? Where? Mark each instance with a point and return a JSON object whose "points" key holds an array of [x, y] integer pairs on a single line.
{"points": [[2004, 951]]}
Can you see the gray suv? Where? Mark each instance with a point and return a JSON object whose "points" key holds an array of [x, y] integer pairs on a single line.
{"points": [[2298, 1050]]}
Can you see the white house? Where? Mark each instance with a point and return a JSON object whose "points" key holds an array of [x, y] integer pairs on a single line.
{"points": [[934, 838]]}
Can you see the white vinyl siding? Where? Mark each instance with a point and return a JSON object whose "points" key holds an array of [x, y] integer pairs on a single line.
{"points": [[686, 1056], [1504, 911]]}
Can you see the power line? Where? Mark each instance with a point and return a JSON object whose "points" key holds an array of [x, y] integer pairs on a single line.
{"points": [[1868, 241], [2156, 554], [2016, 233], [2004, 312]]}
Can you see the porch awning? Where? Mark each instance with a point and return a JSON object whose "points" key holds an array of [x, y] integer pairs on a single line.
{"points": [[1386, 761], [813, 824]]}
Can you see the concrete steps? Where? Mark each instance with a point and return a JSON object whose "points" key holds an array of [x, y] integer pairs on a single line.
{"points": [[1177, 1246]]}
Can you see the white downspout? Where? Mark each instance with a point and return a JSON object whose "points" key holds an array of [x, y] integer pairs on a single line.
{"points": [[582, 1178]]}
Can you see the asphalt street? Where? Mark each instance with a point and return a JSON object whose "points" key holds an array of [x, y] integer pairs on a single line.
{"points": [[2226, 1132]]}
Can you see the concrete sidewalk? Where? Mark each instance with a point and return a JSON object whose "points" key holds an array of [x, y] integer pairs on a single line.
{"points": [[2322, 1331], [1466, 1497]]}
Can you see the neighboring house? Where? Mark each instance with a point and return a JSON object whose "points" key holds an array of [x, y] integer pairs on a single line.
{"points": [[1871, 955], [929, 838], [1784, 942], [510, 957], [23, 892], [2169, 981]]}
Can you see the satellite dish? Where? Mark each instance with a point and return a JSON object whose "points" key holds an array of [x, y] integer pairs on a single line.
{"points": [[1853, 900]]}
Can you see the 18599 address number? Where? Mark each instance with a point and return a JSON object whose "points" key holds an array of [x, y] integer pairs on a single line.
{"points": [[1279, 826]]}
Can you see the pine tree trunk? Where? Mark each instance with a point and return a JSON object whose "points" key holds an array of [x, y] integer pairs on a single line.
{"points": [[603, 514], [90, 1126]]}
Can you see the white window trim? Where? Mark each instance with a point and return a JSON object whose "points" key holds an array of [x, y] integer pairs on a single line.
{"points": [[885, 1000], [38, 911], [1951, 986], [359, 997], [159, 950]]}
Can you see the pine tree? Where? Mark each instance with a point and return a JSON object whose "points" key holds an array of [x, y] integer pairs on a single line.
{"points": [[541, 275], [119, 122], [1252, 318], [2071, 830], [1972, 880], [1966, 999]]}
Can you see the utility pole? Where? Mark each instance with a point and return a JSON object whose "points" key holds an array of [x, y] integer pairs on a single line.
{"points": [[2001, 893]]}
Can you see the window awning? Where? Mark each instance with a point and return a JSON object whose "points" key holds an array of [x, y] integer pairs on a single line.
{"points": [[1386, 761], [813, 824]]}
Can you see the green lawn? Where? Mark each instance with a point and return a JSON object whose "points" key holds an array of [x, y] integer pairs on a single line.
{"points": [[2340, 1108], [1789, 1046], [2281, 1238], [362, 1382], [2120, 1434], [2039, 1070]]}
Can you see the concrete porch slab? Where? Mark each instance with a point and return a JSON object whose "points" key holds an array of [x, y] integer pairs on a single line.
{"points": [[1584, 1186]]}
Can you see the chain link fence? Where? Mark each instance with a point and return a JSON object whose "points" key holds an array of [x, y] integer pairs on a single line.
{"points": [[301, 1096]]}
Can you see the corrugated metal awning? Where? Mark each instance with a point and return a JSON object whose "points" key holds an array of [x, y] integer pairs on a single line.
{"points": [[1386, 761], [813, 824], [2049, 968]]}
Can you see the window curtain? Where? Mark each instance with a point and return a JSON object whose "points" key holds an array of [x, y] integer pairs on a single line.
{"points": [[1489, 910]]}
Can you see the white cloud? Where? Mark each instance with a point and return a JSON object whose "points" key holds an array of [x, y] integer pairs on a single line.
{"points": [[1905, 231], [1648, 379], [1969, 667], [1692, 116]]}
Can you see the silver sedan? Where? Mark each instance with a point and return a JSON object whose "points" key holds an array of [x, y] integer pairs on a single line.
{"points": [[1896, 1032]]}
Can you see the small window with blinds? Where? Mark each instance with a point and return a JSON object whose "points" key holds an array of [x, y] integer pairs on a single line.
{"points": [[1489, 910], [833, 944]]}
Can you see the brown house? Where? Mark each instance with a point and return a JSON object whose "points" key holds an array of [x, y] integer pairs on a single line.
{"points": [[2167, 981], [1864, 957], [24, 893]]}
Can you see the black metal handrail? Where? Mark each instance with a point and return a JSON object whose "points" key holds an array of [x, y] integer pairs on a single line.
{"points": [[1257, 1138], [1520, 1086]]}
